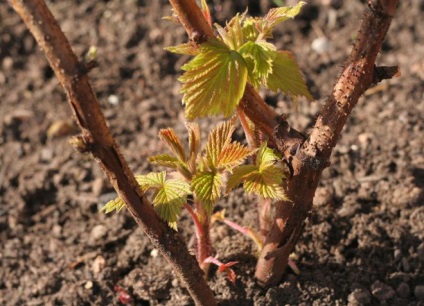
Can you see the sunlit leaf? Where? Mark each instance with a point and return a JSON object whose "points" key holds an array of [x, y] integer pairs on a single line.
{"points": [[173, 142], [233, 155], [194, 144], [217, 140], [169, 200], [250, 29], [116, 204], [165, 160], [153, 180], [264, 178], [278, 15], [207, 187], [286, 76], [169, 196], [259, 57], [238, 175], [214, 81], [186, 49], [232, 34]]}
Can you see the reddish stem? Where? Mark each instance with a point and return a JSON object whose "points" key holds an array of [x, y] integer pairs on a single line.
{"points": [[250, 135], [203, 241]]}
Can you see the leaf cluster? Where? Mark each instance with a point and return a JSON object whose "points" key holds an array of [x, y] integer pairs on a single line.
{"points": [[215, 79], [202, 174]]}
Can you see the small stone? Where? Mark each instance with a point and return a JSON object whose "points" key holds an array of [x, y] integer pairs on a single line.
{"points": [[98, 232], [382, 291], [419, 292], [321, 44], [154, 253], [46, 155], [365, 139], [88, 285], [113, 99], [175, 283], [98, 264], [359, 297], [57, 230], [397, 254], [7, 63], [403, 290]]}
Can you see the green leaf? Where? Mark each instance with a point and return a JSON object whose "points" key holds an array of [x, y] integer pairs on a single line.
{"points": [[165, 160], [250, 29], [185, 49], [217, 140], [286, 76], [263, 179], [173, 142], [233, 155], [232, 35], [194, 144], [206, 186], [259, 57], [222, 154], [116, 204], [278, 15], [153, 180], [169, 200], [238, 175], [169, 195], [214, 81]]}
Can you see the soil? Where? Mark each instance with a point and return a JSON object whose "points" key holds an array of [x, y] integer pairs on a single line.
{"points": [[363, 243]]}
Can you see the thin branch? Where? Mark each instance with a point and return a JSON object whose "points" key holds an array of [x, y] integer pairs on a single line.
{"points": [[97, 139]]}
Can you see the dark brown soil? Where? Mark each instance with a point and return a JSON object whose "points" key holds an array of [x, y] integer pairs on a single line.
{"points": [[363, 243]]}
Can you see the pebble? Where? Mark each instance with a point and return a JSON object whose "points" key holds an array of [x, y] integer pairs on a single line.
{"points": [[57, 230], [397, 255], [98, 232], [403, 290], [98, 264], [46, 155], [175, 283], [365, 139], [419, 292], [382, 291], [113, 99], [7, 63], [88, 285], [359, 296], [154, 253], [321, 44]]}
